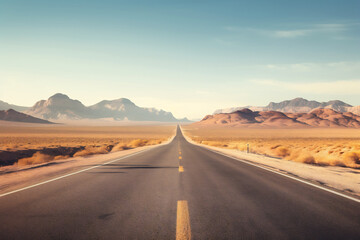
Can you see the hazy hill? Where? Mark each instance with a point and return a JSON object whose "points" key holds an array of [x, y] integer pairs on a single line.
{"points": [[14, 116], [302, 105], [6, 106], [61, 107], [316, 118], [123, 108], [297, 105]]}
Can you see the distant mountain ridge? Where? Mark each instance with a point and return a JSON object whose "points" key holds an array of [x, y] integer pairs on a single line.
{"points": [[123, 108], [6, 106], [61, 107], [297, 105], [316, 118], [303, 105], [15, 116]]}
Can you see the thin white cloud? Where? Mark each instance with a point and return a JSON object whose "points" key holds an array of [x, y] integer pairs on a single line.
{"points": [[330, 28], [288, 33], [307, 67], [335, 87]]}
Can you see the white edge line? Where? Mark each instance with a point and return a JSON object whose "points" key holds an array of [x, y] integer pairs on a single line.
{"points": [[282, 174], [80, 171]]}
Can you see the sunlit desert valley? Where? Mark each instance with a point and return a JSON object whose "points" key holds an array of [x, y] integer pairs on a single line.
{"points": [[323, 134], [179, 120]]}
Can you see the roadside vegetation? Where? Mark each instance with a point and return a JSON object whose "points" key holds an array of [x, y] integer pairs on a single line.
{"points": [[34, 145], [319, 146]]}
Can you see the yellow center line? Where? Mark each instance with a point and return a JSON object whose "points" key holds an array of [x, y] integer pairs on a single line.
{"points": [[181, 169], [180, 157], [183, 231], [179, 153]]}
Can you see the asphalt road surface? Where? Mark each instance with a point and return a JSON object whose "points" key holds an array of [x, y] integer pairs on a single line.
{"points": [[177, 191]]}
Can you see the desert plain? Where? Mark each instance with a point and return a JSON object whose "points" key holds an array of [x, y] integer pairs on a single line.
{"points": [[329, 156], [27, 144], [317, 146]]}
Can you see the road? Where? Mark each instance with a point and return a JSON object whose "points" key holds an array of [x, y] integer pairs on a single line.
{"points": [[148, 196]]}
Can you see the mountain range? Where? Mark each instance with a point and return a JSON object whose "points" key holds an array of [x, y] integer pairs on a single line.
{"points": [[298, 105], [6, 106], [319, 117], [15, 116], [61, 107]]}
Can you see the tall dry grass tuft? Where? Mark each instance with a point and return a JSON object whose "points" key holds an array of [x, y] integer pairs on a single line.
{"points": [[301, 156], [120, 147], [282, 151], [135, 143], [37, 158], [91, 150], [352, 159], [138, 143]]}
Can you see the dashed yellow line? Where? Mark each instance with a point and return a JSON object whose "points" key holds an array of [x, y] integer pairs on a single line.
{"points": [[183, 231], [179, 153], [180, 157], [181, 169]]}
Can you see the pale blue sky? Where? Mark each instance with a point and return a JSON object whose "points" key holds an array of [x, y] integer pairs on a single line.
{"points": [[187, 57]]}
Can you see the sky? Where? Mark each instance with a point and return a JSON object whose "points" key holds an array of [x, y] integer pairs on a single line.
{"points": [[186, 57]]}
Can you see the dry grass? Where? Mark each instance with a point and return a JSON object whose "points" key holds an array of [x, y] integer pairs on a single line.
{"points": [[86, 140], [35, 159], [326, 147], [16, 138]]}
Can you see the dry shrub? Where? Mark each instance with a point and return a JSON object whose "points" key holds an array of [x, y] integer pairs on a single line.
{"points": [[134, 144], [337, 162], [301, 156], [120, 147], [352, 159], [154, 142], [306, 158], [36, 158], [137, 143], [282, 151], [91, 150]]}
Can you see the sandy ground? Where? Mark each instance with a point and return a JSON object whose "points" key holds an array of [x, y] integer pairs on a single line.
{"points": [[340, 178], [13, 177], [27, 144]]}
